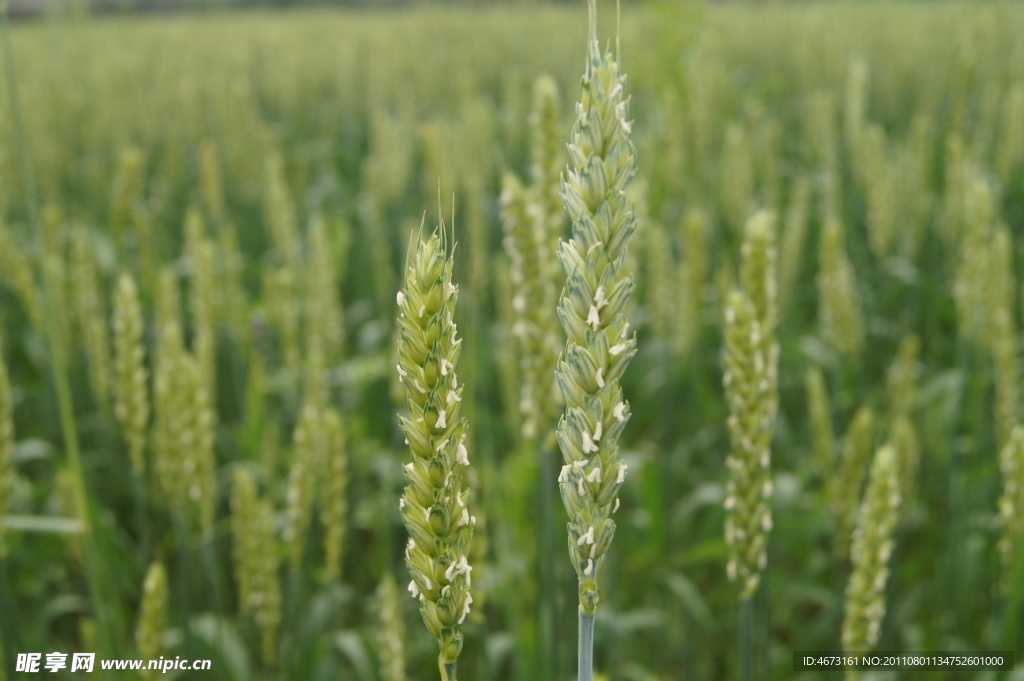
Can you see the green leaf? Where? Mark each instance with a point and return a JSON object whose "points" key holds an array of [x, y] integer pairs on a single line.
{"points": [[222, 638], [42, 523], [354, 650], [692, 600]]}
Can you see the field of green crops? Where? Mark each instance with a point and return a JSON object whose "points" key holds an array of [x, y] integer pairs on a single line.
{"points": [[204, 224]]}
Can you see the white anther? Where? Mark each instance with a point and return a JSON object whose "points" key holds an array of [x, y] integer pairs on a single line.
{"points": [[402, 373], [620, 412], [599, 377], [459, 567], [587, 538], [590, 567], [423, 309], [401, 298], [441, 420], [617, 350], [461, 455], [445, 367], [465, 607], [593, 318]]}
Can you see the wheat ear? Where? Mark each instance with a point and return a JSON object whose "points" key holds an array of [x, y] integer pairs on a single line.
{"points": [[435, 502]]}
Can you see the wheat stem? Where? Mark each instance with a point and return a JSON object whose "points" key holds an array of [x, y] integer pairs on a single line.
{"points": [[94, 560], [585, 654], [448, 669], [747, 638]]}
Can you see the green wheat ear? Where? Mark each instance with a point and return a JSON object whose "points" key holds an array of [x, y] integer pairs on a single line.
{"points": [[599, 345], [871, 549], [131, 397], [751, 387], [1011, 506], [751, 406], [152, 621], [6, 450], [435, 502]]}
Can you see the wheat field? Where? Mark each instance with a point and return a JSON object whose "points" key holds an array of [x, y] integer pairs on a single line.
{"points": [[207, 450]]}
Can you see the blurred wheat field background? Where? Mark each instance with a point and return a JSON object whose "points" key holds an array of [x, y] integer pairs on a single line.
{"points": [[204, 222]]}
